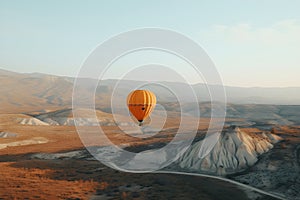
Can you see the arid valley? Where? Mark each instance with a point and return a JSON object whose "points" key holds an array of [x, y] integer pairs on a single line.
{"points": [[257, 155]]}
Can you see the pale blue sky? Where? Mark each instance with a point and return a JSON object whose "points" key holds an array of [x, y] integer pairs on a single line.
{"points": [[252, 42]]}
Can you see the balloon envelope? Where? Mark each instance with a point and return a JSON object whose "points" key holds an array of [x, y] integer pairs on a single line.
{"points": [[141, 103]]}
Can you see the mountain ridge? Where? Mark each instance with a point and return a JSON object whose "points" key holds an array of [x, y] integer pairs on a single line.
{"points": [[35, 91]]}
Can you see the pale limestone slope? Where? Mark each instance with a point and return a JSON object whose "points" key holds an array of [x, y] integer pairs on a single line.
{"points": [[33, 121], [234, 152]]}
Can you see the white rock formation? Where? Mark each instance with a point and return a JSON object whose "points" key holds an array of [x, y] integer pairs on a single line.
{"points": [[35, 140], [272, 137], [87, 118], [234, 152], [32, 121], [54, 156], [7, 135]]}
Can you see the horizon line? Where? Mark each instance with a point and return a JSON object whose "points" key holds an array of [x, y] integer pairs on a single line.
{"points": [[74, 77]]}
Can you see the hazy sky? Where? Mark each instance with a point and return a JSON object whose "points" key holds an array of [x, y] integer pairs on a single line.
{"points": [[252, 42]]}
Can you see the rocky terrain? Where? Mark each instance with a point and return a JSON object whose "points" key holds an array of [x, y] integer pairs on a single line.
{"points": [[7, 135], [263, 160], [278, 170], [50, 162], [40, 148], [32, 121], [65, 118], [235, 151]]}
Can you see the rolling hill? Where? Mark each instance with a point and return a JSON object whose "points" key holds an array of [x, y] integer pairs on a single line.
{"points": [[30, 92]]}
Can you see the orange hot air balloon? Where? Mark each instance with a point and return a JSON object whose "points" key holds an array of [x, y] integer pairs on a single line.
{"points": [[141, 103]]}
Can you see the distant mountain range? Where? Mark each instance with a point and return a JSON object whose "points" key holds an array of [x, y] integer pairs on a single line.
{"points": [[27, 92]]}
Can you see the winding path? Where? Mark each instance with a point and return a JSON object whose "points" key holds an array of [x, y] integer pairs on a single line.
{"points": [[226, 180]]}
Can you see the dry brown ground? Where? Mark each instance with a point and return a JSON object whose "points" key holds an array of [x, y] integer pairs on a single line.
{"points": [[22, 177]]}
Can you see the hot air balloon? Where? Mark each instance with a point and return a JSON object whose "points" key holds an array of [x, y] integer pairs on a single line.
{"points": [[141, 103]]}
